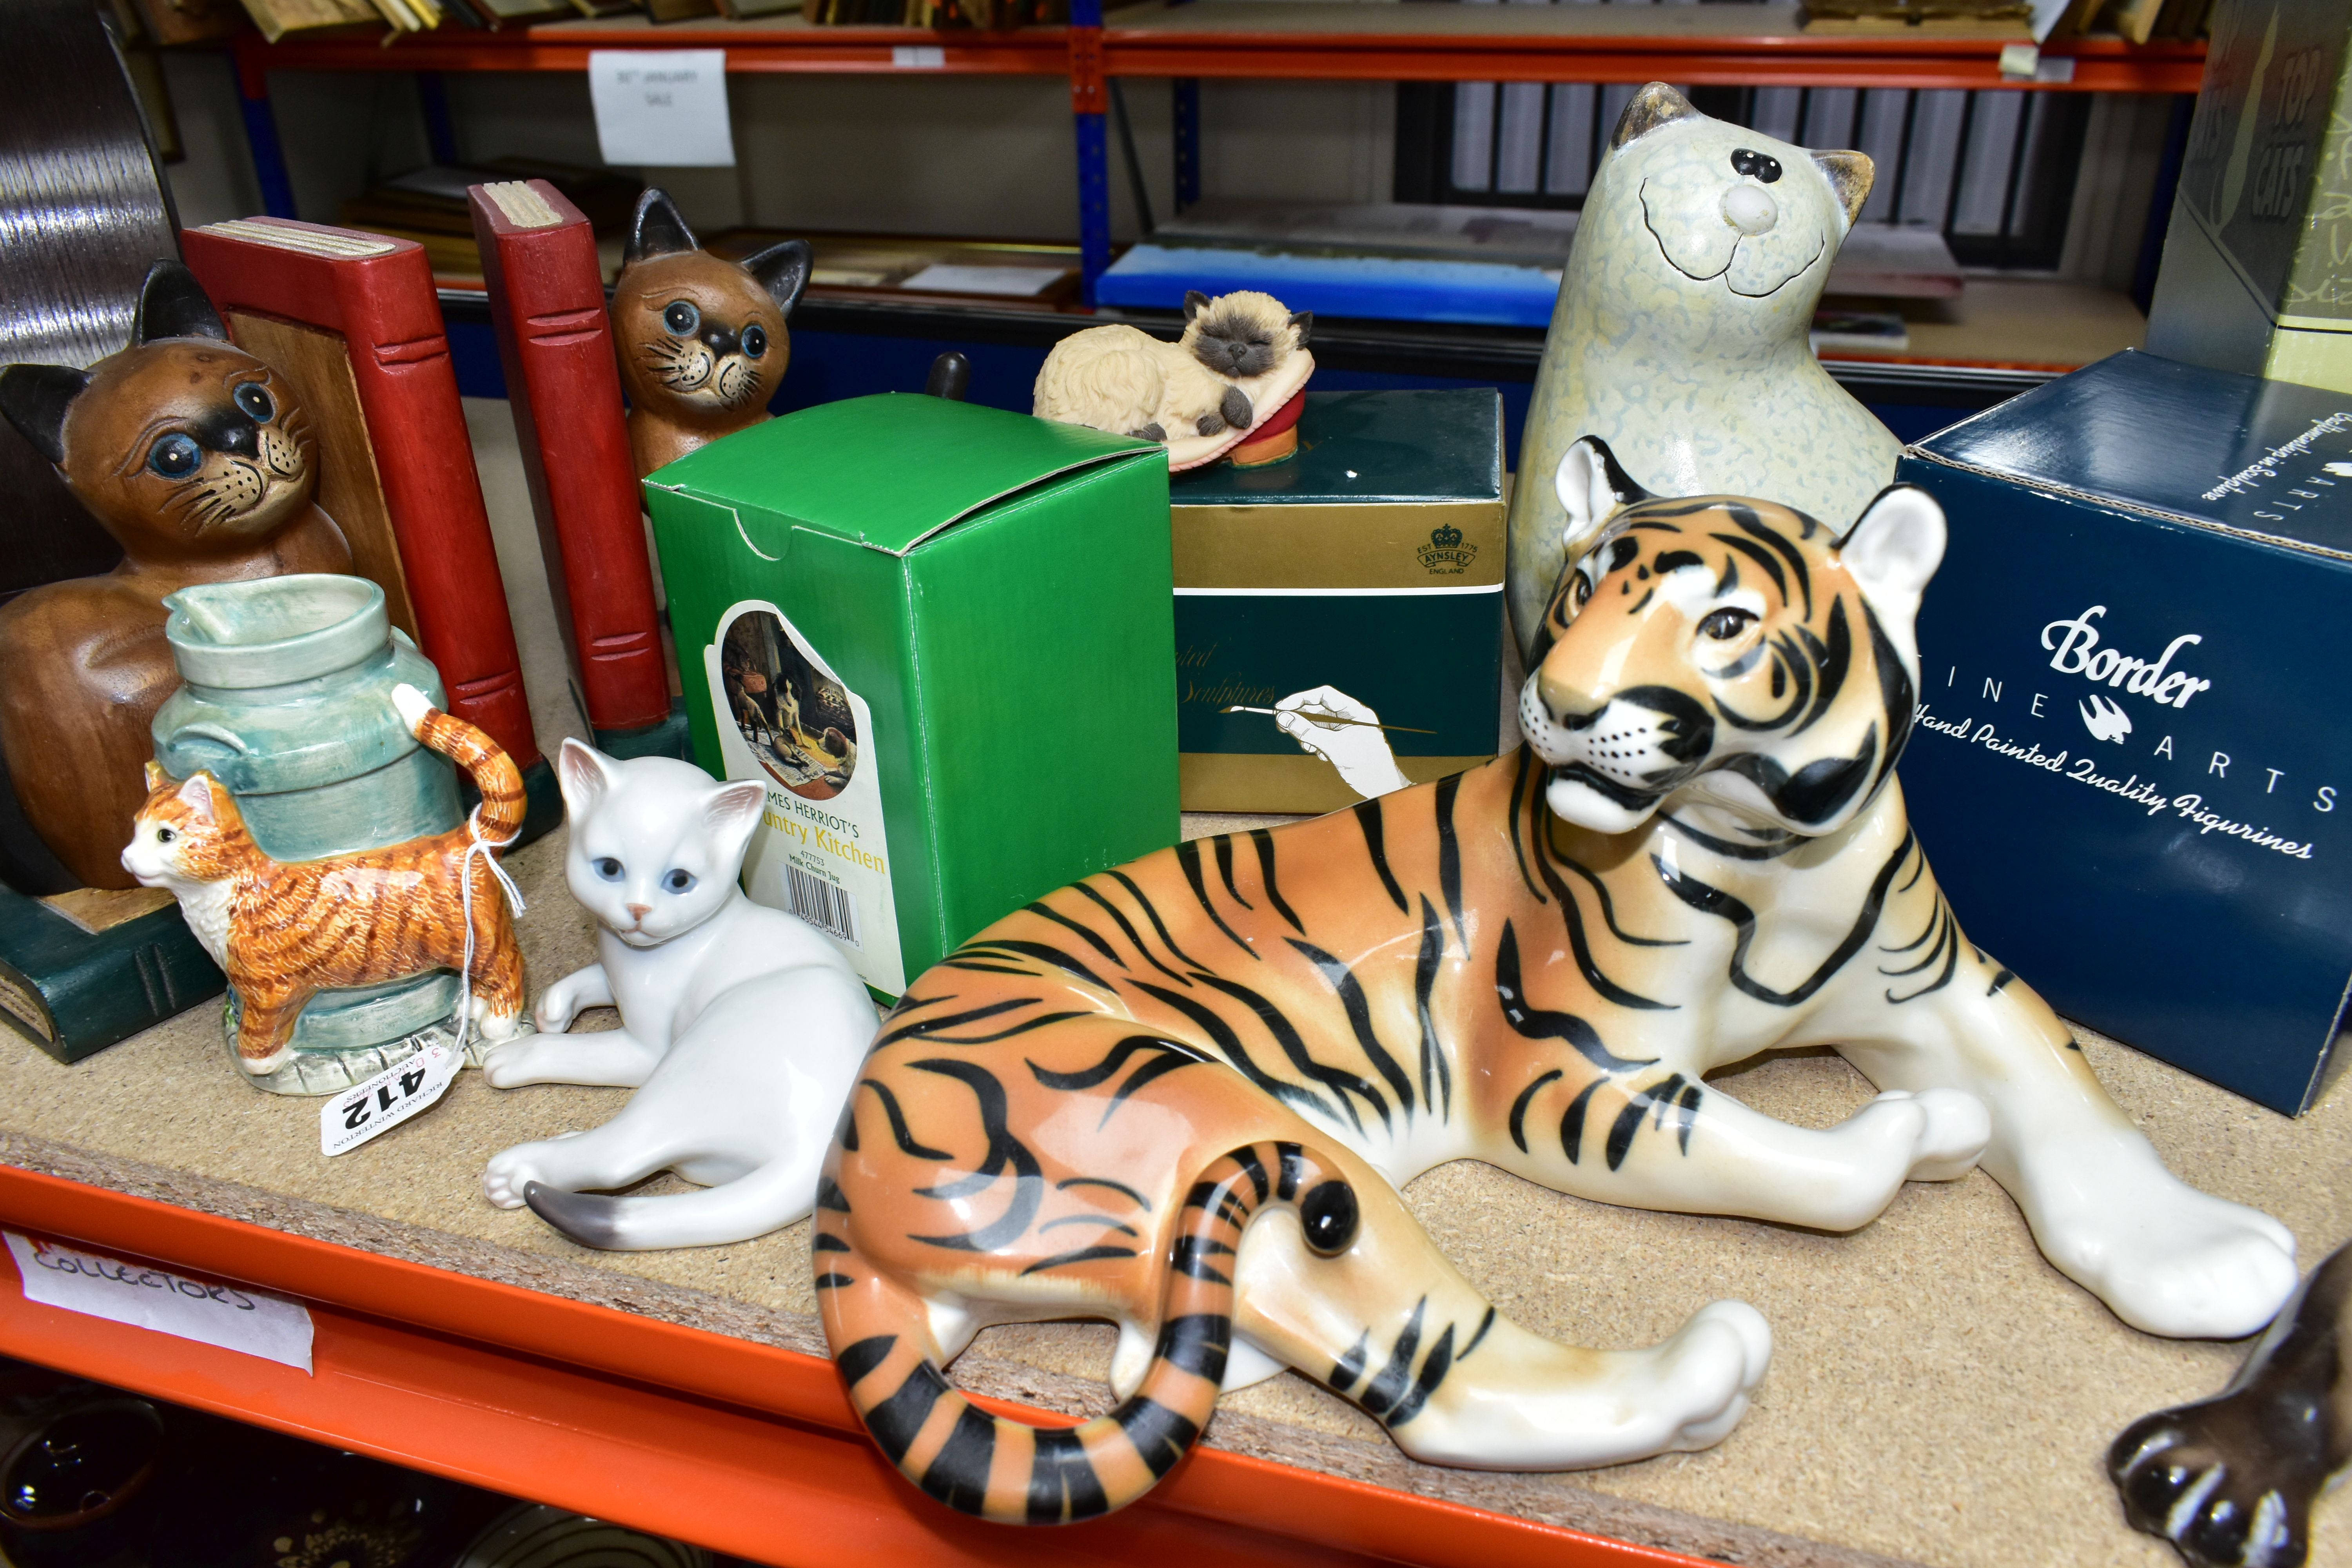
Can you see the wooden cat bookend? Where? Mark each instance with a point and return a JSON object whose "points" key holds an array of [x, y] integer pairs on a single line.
{"points": [[199, 460], [702, 340]]}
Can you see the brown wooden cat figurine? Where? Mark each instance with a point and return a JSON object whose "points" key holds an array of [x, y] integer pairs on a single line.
{"points": [[197, 458], [702, 340], [287, 930]]}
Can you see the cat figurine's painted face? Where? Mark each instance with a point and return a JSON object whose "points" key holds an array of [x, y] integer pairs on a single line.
{"points": [[1243, 334], [183, 445], [656, 845], [702, 340]]}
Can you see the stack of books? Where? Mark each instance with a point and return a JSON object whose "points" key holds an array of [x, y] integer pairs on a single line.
{"points": [[428, 206]]}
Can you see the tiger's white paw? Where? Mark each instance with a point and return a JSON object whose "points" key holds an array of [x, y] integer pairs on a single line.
{"points": [[1953, 1137], [1721, 1355], [2164, 1257]]}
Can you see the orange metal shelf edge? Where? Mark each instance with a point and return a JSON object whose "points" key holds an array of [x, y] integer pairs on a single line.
{"points": [[2100, 65], [744, 1448]]}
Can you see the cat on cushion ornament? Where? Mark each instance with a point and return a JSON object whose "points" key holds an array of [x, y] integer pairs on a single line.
{"points": [[1701, 853], [197, 458], [701, 340], [1229, 386], [1681, 336]]}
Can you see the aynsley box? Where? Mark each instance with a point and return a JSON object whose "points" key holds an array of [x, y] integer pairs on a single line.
{"points": [[940, 634], [1372, 562], [2135, 748]]}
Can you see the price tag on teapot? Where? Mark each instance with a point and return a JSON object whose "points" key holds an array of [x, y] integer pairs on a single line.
{"points": [[387, 1099]]}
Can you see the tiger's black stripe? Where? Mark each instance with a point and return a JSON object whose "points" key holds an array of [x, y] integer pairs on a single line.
{"points": [[922, 1027], [1449, 854], [1066, 1183], [1224, 846], [1294, 1046], [1152, 913], [1091, 937], [1264, 843], [1710, 900], [1038, 1022], [900, 1130], [1229, 1043], [1434, 1056], [1358, 1010], [1187, 856], [1134, 937], [1519, 1122], [1580, 946], [1520, 816], [1536, 1024], [1571, 1121], [1368, 814], [1082, 1255], [1044, 951]]}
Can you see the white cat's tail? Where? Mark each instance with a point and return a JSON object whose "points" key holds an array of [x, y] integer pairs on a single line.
{"points": [[780, 1192]]}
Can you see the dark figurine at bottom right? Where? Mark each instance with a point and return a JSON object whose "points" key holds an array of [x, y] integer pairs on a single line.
{"points": [[2230, 1480]]}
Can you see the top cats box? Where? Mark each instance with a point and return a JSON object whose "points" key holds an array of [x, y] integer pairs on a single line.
{"points": [[942, 636], [2134, 748]]}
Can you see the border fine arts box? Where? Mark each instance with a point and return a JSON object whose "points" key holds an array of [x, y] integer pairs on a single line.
{"points": [[940, 635], [2257, 273], [1370, 563], [2133, 770]]}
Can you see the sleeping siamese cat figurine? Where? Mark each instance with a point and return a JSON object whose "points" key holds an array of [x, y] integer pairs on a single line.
{"points": [[701, 340], [741, 1027], [199, 461]]}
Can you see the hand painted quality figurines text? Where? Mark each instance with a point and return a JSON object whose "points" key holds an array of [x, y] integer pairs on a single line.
{"points": [[1682, 333], [199, 461], [702, 340], [2230, 1480], [740, 1026], [285, 930], [1700, 853]]}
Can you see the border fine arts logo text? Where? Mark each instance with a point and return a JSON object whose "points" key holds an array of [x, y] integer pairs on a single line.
{"points": [[1445, 554]]}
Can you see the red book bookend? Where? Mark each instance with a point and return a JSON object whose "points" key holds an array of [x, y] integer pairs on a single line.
{"points": [[351, 319], [555, 340]]}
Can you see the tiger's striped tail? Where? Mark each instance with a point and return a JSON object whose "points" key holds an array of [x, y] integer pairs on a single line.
{"points": [[1013, 1473], [500, 817]]}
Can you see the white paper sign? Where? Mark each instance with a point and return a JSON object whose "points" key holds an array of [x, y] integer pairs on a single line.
{"points": [[233, 1317], [665, 108], [387, 1099]]}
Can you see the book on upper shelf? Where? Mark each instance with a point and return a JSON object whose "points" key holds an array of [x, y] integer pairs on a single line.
{"points": [[279, 18], [351, 319], [546, 287]]}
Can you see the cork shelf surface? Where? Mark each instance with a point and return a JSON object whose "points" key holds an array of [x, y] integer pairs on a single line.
{"points": [[1938, 1394]]}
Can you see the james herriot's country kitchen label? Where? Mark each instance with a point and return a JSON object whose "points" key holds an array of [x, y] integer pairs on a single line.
{"points": [[2104, 705], [786, 719]]}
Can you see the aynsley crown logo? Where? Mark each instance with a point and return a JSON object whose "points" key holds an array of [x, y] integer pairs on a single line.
{"points": [[1446, 555]]}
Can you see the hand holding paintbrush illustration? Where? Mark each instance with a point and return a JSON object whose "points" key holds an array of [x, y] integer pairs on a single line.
{"points": [[1334, 726]]}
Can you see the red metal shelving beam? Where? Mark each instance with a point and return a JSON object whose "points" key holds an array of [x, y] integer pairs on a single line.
{"points": [[744, 1448], [1801, 60]]}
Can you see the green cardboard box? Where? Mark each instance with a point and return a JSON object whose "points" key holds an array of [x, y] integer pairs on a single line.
{"points": [[1371, 562], [940, 635]]}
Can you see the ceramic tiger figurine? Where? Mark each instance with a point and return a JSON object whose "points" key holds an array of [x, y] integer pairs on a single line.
{"points": [[287, 930], [1700, 853]]}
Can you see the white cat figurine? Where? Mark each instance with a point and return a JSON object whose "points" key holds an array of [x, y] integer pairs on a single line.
{"points": [[741, 1027]]}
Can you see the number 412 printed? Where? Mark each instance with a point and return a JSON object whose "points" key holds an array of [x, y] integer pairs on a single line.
{"points": [[387, 1099]]}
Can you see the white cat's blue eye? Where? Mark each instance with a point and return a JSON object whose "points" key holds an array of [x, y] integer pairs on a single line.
{"points": [[609, 869], [681, 318], [679, 880]]}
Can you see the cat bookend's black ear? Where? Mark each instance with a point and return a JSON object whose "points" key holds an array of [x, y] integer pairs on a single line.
{"points": [[784, 271], [173, 304], [1304, 321], [35, 398], [1655, 105], [657, 229], [1194, 303]]}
